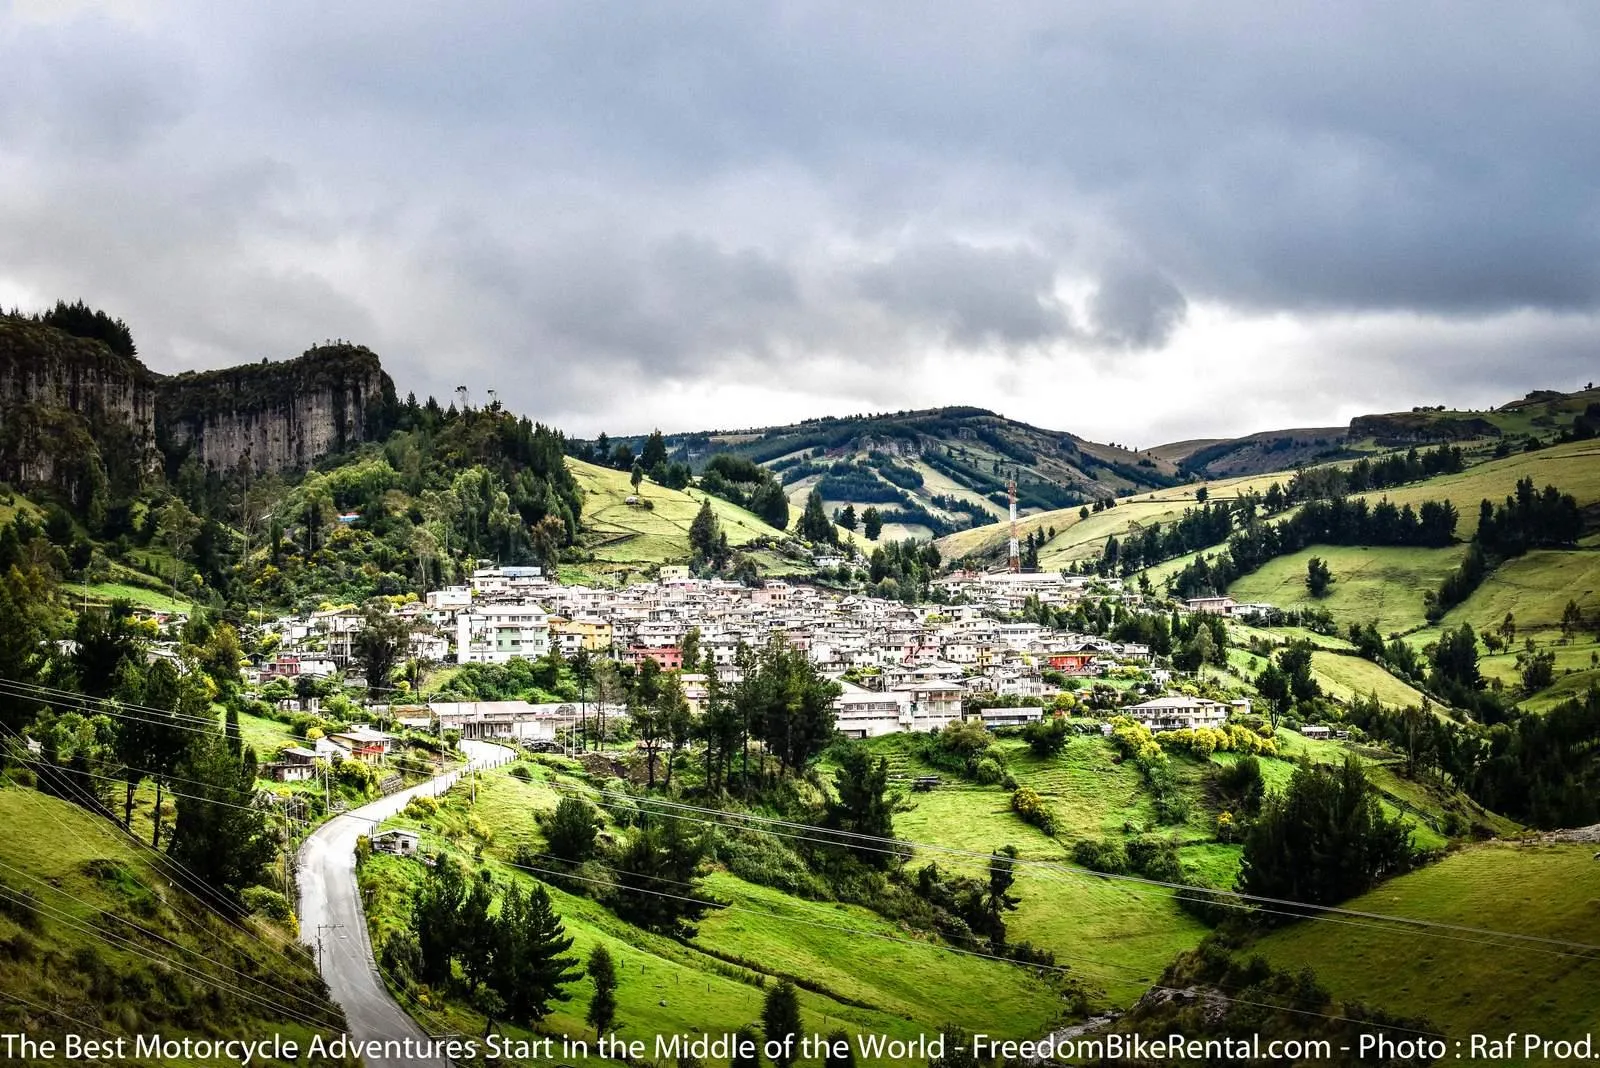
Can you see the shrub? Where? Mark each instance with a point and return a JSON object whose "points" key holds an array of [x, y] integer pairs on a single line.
{"points": [[1027, 803], [989, 772], [523, 772], [268, 902], [1155, 858], [1102, 856], [421, 807]]}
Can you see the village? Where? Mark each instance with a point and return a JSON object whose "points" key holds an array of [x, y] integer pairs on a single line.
{"points": [[899, 667]]}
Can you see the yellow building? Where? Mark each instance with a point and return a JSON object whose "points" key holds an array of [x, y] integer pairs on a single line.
{"points": [[571, 635]]}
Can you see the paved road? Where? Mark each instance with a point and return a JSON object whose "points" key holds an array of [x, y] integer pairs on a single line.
{"points": [[328, 895]]}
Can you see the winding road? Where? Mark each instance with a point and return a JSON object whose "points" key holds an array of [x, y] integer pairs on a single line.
{"points": [[330, 910]]}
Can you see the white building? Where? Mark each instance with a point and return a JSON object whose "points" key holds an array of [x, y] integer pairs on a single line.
{"points": [[495, 633], [508, 581], [1180, 712], [862, 713]]}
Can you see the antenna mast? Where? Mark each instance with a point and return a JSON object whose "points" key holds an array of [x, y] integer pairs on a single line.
{"points": [[1013, 552]]}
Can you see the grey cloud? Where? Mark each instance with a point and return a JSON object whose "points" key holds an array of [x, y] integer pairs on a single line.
{"points": [[1137, 308], [973, 294], [561, 198]]}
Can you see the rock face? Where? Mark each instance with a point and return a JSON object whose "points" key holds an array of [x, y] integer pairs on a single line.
{"points": [[72, 412], [1415, 428], [95, 426], [275, 416]]}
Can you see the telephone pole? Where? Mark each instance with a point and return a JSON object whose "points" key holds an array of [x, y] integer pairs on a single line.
{"points": [[320, 928]]}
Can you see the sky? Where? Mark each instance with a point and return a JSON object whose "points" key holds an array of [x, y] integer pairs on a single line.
{"points": [[1139, 223]]}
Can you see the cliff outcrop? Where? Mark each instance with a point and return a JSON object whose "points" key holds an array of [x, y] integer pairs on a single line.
{"points": [[275, 416], [94, 427], [1416, 428], [74, 416]]}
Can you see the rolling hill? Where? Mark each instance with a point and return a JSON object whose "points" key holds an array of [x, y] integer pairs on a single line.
{"points": [[622, 538], [940, 469], [98, 937]]}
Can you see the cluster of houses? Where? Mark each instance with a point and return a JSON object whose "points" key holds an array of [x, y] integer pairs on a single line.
{"points": [[901, 667]]}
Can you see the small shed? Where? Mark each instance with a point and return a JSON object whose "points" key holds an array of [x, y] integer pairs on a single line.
{"points": [[398, 842]]}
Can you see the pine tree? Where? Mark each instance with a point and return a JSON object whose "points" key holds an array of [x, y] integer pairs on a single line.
{"points": [[530, 969], [847, 517], [747, 1040], [603, 1006], [477, 933], [704, 530], [435, 920], [841, 1053], [220, 835], [871, 523], [863, 806], [780, 1020], [814, 524]]}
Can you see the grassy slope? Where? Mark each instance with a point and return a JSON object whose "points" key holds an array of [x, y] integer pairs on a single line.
{"points": [[1573, 468], [52, 840], [1079, 538], [624, 535], [140, 596], [1462, 982], [1347, 677], [881, 977], [1382, 584]]}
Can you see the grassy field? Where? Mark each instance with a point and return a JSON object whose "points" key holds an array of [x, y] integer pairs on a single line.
{"points": [[632, 537], [862, 972], [140, 596], [1077, 538], [113, 944], [1348, 677], [1573, 468], [1463, 982], [1381, 584], [266, 735], [1535, 588]]}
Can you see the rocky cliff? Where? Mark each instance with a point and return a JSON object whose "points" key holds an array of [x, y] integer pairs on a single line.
{"points": [[94, 426], [275, 416], [1418, 427], [74, 416]]}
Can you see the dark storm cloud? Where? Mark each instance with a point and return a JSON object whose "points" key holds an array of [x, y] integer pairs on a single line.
{"points": [[570, 198]]}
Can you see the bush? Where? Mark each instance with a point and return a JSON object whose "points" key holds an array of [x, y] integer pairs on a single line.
{"points": [[1027, 803], [522, 772], [1155, 858], [401, 956], [421, 807], [989, 772], [1102, 856], [268, 902]]}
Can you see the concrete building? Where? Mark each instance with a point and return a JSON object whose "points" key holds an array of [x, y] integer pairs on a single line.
{"points": [[495, 633]]}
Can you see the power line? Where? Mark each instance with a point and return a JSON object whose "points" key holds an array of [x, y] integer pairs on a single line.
{"points": [[879, 843], [1220, 901], [191, 882], [149, 933], [61, 916]]}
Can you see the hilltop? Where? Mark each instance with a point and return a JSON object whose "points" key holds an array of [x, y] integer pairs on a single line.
{"points": [[929, 471], [1538, 415]]}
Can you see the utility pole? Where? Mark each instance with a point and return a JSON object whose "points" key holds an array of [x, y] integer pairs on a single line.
{"points": [[320, 928]]}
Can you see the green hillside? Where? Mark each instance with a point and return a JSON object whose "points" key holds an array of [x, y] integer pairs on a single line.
{"points": [[1382, 584], [1573, 467], [930, 472], [1079, 538], [623, 537], [876, 968], [97, 937], [1467, 983]]}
